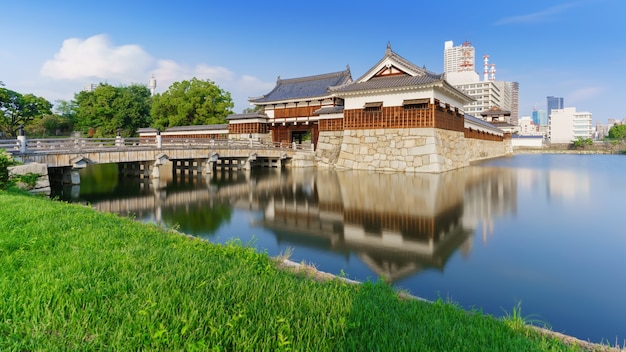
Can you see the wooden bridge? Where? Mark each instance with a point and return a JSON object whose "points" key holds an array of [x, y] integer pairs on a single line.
{"points": [[144, 156]]}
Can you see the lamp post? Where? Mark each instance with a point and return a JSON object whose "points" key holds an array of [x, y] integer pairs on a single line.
{"points": [[21, 138]]}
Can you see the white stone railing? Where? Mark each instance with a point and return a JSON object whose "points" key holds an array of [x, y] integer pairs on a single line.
{"points": [[59, 145]]}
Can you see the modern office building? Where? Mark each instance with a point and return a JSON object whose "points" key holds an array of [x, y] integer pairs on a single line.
{"points": [[460, 70], [554, 103], [567, 125], [514, 90], [540, 117]]}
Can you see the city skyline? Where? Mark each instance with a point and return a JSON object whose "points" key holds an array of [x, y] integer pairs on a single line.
{"points": [[53, 50]]}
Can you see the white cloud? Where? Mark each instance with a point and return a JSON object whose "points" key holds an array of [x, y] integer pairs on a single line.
{"points": [[585, 93], [539, 16], [96, 59]]}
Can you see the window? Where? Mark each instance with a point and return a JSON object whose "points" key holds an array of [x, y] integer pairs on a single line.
{"points": [[415, 104], [373, 107]]}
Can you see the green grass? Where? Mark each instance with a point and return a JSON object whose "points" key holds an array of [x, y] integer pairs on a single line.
{"points": [[75, 279]]}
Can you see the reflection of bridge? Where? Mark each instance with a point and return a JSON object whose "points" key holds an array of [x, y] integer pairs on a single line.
{"points": [[144, 156], [241, 188]]}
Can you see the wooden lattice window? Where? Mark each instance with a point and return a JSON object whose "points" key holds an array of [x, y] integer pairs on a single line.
{"points": [[415, 104], [373, 107]]}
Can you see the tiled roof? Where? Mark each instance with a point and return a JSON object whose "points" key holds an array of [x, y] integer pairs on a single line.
{"points": [[253, 115], [221, 126], [389, 82], [494, 110], [304, 87], [482, 123]]}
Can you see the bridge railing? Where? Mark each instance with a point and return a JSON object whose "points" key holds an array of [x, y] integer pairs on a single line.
{"points": [[55, 145], [10, 145]]}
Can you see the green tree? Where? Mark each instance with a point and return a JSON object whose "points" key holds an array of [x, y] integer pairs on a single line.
{"points": [[17, 109], [581, 142], [195, 102], [250, 110], [107, 110], [617, 132]]}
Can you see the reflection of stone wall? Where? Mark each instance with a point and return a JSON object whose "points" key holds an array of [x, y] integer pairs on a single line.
{"points": [[399, 193], [328, 190]]}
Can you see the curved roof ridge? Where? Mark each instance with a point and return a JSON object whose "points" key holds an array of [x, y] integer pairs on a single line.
{"points": [[315, 86], [401, 61], [314, 77]]}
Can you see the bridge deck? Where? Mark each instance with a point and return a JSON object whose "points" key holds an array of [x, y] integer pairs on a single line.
{"points": [[66, 152]]}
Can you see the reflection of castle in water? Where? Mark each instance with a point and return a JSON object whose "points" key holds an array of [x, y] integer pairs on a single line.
{"points": [[398, 224]]}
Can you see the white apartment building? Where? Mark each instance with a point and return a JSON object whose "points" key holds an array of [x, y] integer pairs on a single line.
{"points": [[527, 127], [566, 125], [487, 94]]}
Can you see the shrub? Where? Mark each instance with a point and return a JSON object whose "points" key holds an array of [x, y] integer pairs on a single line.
{"points": [[5, 161]]}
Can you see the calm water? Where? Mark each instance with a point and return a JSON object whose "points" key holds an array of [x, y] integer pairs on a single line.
{"points": [[543, 230]]}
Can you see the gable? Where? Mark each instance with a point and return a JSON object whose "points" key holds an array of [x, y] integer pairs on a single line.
{"points": [[390, 70], [393, 64]]}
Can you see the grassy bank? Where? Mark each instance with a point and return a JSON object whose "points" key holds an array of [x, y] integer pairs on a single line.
{"points": [[75, 279]]}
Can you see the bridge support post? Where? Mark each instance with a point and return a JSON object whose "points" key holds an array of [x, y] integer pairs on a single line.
{"points": [[156, 167], [71, 176], [247, 163], [211, 164]]}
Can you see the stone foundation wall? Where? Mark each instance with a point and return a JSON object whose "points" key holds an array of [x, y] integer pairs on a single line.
{"points": [[424, 150], [43, 182], [328, 148], [478, 149], [403, 150]]}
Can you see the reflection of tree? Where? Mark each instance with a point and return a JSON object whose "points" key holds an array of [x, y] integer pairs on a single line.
{"points": [[101, 178], [196, 219]]}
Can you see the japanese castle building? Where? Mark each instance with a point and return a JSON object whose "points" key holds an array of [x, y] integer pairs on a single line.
{"points": [[395, 117]]}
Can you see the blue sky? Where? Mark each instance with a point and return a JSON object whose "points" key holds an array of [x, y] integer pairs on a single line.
{"points": [[571, 49]]}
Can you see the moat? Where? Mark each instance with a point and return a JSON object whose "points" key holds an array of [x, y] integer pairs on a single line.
{"points": [[539, 230]]}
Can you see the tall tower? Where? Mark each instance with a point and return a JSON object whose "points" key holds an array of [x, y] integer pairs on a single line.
{"points": [[152, 85], [485, 67], [554, 103]]}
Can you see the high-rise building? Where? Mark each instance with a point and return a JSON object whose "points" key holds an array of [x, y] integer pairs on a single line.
{"points": [[566, 125], [460, 70], [554, 103], [514, 91], [458, 63], [540, 117]]}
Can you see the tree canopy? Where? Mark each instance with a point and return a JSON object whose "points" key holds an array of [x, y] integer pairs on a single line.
{"points": [[17, 109], [618, 132], [107, 110], [194, 102]]}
